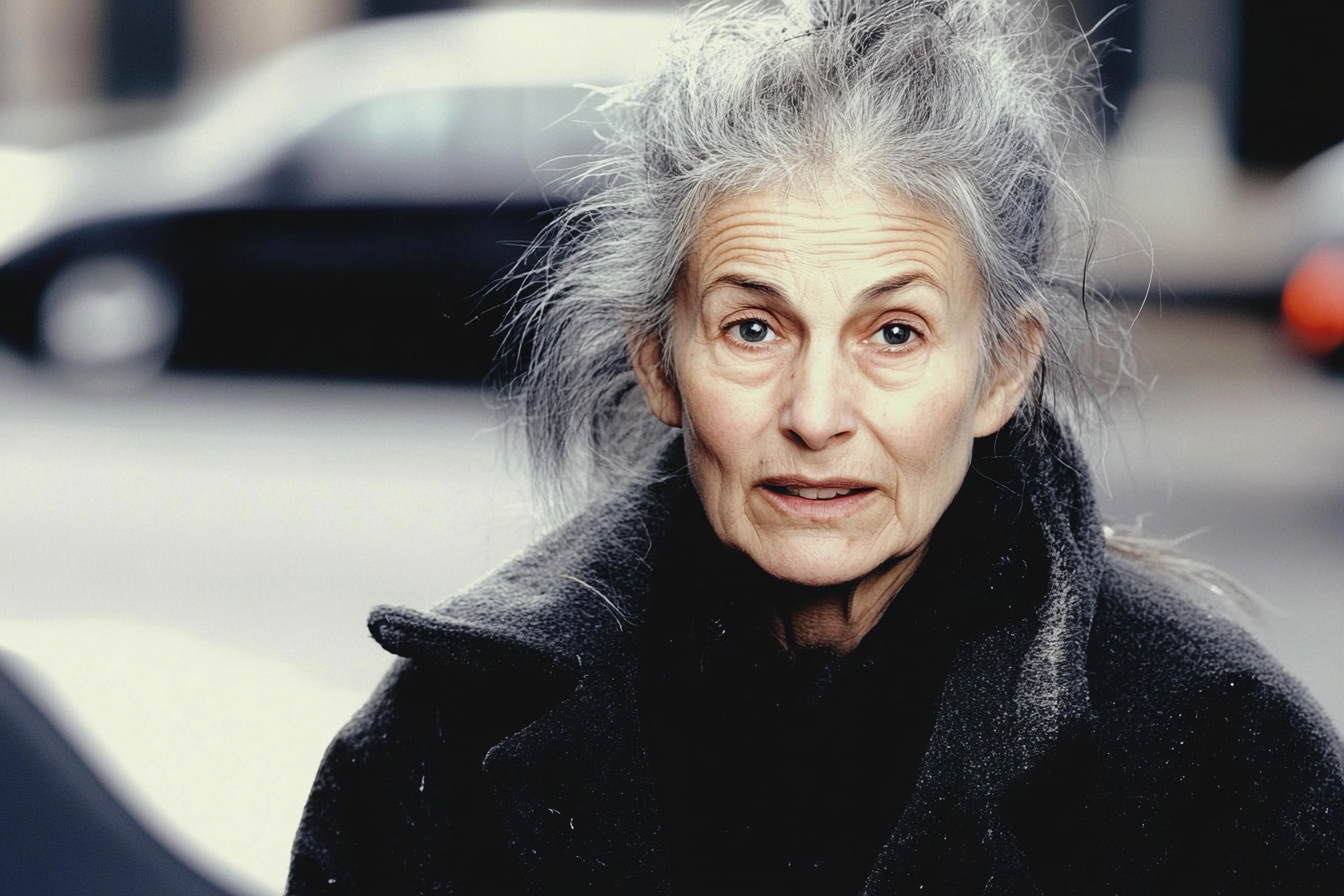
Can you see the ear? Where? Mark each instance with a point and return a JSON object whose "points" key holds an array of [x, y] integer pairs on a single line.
{"points": [[1009, 383], [646, 357]]}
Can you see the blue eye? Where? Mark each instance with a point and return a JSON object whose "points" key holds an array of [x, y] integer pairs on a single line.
{"points": [[753, 330], [896, 334]]}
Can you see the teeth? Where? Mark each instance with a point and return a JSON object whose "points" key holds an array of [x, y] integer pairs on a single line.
{"points": [[817, 494]]}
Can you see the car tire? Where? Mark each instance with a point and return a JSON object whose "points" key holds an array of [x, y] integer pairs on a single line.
{"points": [[109, 319]]}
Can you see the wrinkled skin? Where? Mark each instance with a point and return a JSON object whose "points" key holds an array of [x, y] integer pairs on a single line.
{"points": [[826, 357]]}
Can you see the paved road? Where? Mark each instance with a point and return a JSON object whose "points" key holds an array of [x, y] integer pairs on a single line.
{"points": [[187, 571], [1238, 447], [188, 568]]}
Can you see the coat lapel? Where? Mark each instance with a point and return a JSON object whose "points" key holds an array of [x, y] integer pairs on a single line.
{"points": [[1016, 691], [951, 838]]}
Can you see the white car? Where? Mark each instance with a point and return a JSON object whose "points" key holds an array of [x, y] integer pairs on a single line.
{"points": [[341, 208]]}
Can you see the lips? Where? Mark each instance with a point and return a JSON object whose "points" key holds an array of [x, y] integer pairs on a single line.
{"points": [[811, 494], [816, 491]]}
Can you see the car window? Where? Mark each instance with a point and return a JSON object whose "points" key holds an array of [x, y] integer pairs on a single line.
{"points": [[465, 144]]}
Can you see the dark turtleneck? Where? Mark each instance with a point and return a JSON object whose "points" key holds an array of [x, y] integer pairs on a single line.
{"points": [[781, 770]]}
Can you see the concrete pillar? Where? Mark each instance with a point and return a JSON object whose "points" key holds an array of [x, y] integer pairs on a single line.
{"points": [[48, 52], [1194, 42], [225, 35]]}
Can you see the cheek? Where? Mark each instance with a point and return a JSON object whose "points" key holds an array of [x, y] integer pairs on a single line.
{"points": [[725, 432], [919, 426], [721, 428], [926, 435]]}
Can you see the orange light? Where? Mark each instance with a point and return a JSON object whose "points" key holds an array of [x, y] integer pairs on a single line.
{"points": [[1313, 300]]}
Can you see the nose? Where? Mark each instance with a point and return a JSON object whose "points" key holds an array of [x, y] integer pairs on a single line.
{"points": [[818, 407]]}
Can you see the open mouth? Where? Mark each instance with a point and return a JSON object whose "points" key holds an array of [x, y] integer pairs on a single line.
{"points": [[817, 493]]}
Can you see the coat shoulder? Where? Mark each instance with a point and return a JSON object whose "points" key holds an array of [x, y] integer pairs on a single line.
{"points": [[1213, 768], [1155, 641]]}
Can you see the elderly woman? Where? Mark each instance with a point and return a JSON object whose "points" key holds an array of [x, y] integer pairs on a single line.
{"points": [[838, 615]]}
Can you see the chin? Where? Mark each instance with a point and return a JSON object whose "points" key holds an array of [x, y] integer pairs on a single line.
{"points": [[816, 566]]}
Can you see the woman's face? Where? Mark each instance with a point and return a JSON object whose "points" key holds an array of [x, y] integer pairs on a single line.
{"points": [[826, 350]]}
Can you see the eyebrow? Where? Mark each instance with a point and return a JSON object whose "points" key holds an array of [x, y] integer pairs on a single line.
{"points": [[877, 291]]}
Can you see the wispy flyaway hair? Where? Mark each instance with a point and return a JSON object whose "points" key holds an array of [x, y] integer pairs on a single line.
{"points": [[980, 110]]}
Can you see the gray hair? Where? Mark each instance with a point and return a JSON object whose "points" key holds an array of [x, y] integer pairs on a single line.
{"points": [[981, 110]]}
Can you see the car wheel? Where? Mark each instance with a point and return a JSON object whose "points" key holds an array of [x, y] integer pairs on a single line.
{"points": [[109, 317]]}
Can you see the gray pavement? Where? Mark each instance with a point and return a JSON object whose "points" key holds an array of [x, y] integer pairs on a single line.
{"points": [[185, 573], [265, 515], [1237, 446]]}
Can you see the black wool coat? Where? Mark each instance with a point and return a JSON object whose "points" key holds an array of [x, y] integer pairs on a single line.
{"points": [[1108, 735]]}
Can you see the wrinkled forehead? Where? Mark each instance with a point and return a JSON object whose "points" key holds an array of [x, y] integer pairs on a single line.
{"points": [[830, 226], [838, 188]]}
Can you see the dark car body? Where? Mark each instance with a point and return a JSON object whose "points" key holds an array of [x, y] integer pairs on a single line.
{"points": [[370, 291]]}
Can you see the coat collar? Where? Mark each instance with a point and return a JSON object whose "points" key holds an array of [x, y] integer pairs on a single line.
{"points": [[575, 787], [567, 606], [1017, 691]]}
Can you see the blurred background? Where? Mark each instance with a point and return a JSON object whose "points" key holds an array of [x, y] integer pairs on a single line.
{"points": [[246, 256]]}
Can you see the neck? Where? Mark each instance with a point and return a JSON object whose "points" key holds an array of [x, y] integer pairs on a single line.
{"points": [[838, 617]]}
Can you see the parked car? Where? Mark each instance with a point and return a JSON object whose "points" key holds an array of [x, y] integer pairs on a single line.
{"points": [[342, 208]]}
